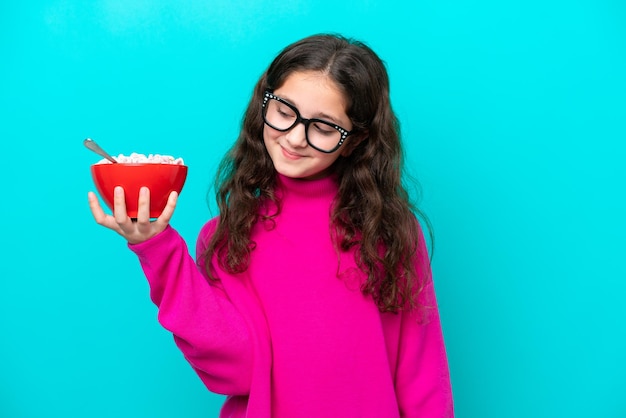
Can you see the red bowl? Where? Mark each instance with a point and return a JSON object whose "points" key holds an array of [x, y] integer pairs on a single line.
{"points": [[161, 179]]}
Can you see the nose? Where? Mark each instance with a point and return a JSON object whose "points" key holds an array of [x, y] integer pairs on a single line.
{"points": [[296, 136]]}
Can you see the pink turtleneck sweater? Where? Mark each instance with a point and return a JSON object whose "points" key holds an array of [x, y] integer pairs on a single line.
{"points": [[293, 336]]}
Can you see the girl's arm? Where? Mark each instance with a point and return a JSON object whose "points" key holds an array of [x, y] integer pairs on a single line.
{"points": [[422, 377], [423, 386], [207, 328]]}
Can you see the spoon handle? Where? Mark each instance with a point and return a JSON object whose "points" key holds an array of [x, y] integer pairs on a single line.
{"points": [[91, 144]]}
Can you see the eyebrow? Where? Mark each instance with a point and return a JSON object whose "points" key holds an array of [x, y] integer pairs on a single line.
{"points": [[320, 115]]}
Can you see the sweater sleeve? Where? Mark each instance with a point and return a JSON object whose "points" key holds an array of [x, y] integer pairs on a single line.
{"points": [[423, 387], [206, 326], [422, 378]]}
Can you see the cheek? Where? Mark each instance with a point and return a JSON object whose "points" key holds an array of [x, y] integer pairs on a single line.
{"points": [[267, 139], [269, 134]]}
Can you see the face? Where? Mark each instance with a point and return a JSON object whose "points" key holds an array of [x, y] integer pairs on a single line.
{"points": [[315, 96]]}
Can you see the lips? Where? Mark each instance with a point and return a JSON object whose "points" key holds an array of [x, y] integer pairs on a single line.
{"points": [[290, 154]]}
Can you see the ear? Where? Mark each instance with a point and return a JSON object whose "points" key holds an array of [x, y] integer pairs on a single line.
{"points": [[352, 143]]}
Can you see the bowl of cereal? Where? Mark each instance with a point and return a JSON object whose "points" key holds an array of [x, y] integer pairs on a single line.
{"points": [[162, 174]]}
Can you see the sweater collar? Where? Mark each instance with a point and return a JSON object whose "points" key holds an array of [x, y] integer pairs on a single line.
{"points": [[325, 187]]}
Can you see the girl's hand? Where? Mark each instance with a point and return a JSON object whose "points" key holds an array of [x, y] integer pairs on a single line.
{"points": [[134, 231]]}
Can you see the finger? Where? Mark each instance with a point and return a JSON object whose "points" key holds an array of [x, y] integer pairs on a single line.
{"points": [[167, 213], [99, 216], [119, 205], [143, 208], [96, 210]]}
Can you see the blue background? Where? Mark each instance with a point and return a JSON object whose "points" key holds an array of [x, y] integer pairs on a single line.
{"points": [[514, 122]]}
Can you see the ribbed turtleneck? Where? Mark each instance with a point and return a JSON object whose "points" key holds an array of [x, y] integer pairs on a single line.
{"points": [[293, 335]]}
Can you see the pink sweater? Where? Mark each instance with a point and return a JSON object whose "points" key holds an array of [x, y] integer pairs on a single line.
{"points": [[293, 336]]}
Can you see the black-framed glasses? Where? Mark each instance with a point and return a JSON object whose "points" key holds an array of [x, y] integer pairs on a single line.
{"points": [[322, 135]]}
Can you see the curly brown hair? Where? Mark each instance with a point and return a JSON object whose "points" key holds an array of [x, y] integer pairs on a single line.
{"points": [[372, 210]]}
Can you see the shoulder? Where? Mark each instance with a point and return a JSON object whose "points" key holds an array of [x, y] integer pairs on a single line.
{"points": [[206, 233], [209, 228]]}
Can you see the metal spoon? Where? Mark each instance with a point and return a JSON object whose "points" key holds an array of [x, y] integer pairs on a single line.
{"points": [[91, 144]]}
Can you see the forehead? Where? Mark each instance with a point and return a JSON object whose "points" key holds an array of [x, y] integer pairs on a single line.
{"points": [[314, 92]]}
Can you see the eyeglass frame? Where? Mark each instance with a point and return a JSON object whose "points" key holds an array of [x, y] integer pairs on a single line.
{"points": [[306, 122]]}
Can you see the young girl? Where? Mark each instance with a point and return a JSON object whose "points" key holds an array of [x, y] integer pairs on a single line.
{"points": [[311, 293]]}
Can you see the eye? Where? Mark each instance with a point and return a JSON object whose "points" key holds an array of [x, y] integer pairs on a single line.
{"points": [[324, 129], [285, 111]]}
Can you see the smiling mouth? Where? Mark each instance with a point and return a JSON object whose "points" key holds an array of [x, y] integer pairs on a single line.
{"points": [[291, 155]]}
